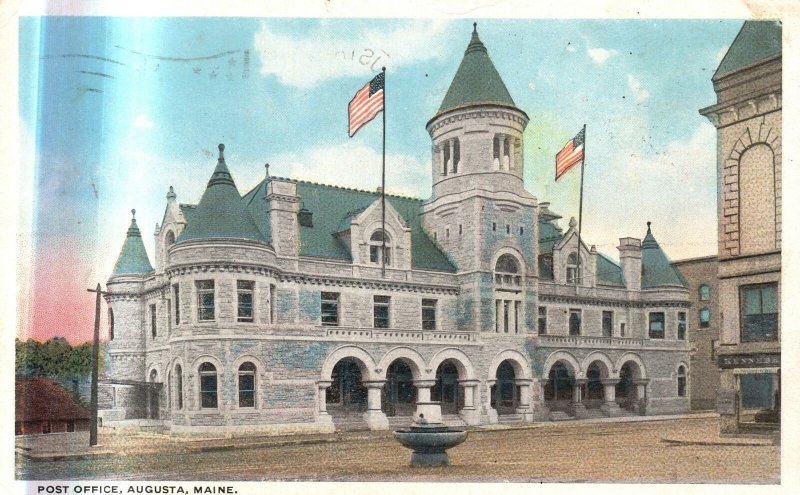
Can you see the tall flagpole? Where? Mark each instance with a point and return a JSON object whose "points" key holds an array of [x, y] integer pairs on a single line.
{"points": [[580, 211], [383, 182]]}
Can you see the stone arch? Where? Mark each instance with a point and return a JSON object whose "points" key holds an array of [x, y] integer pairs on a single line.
{"points": [[464, 365], [362, 357], [154, 367], [597, 356], [521, 365], [567, 358], [206, 358], [515, 253], [247, 357], [408, 355], [630, 356]]}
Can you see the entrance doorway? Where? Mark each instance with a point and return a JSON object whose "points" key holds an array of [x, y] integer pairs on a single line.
{"points": [[505, 396], [347, 392], [558, 391], [152, 393], [446, 390], [399, 393]]}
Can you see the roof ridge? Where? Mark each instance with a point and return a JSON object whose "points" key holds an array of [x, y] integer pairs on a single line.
{"points": [[354, 189]]}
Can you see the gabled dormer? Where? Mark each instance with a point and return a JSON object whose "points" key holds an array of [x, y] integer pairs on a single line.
{"points": [[574, 264], [370, 244], [172, 224]]}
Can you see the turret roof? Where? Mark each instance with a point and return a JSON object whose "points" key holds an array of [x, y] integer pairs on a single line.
{"points": [[657, 269], [476, 81], [133, 257], [220, 212], [756, 41]]}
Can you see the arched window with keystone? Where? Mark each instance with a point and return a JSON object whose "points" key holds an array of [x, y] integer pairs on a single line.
{"points": [[379, 248]]}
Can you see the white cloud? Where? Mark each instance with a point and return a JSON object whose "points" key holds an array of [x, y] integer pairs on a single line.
{"points": [[721, 53], [317, 56], [638, 91], [143, 122], [356, 165], [600, 55]]}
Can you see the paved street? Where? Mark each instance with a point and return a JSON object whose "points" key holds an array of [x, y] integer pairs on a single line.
{"points": [[576, 452]]}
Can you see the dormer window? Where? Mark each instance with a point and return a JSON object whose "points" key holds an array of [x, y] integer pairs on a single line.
{"points": [[377, 250], [169, 239], [573, 269]]}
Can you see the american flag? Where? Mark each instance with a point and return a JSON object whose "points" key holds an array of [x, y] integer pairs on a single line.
{"points": [[366, 104], [571, 154]]}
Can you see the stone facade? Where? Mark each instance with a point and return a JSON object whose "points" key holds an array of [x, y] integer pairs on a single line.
{"points": [[748, 120], [703, 330], [231, 334]]}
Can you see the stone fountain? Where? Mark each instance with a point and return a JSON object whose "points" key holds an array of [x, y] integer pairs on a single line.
{"points": [[428, 438]]}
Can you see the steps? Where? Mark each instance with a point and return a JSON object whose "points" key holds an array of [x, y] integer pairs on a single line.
{"points": [[594, 413], [560, 416], [349, 422], [509, 418]]}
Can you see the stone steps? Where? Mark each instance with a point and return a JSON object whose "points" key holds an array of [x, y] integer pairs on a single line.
{"points": [[560, 416], [509, 418]]}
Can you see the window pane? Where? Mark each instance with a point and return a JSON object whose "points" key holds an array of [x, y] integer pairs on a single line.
{"points": [[752, 301], [756, 390], [245, 306], [769, 299]]}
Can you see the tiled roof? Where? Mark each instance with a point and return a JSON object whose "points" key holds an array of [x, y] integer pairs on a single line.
{"points": [[330, 206], [609, 272], [221, 212], [476, 81], [756, 41], [133, 257], [42, 399], [657, 269]]}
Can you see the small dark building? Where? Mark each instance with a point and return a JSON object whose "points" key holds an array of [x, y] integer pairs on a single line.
{"points": [[43, 406]]}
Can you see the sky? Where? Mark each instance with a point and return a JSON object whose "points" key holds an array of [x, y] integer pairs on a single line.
{"points": [[114, 111]]}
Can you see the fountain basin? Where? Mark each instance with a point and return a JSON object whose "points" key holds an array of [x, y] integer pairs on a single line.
{"points": [[429, 443]]}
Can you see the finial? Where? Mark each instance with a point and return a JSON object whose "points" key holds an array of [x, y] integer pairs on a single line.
{"points": [[648, 227], [221, 149], [474, 27], [133, 214], [266, 166], [171, 194], [383, 69], [572, 222]]}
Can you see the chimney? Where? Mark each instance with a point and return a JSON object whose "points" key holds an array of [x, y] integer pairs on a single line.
{"points": [[283, 204], [630, 258]]}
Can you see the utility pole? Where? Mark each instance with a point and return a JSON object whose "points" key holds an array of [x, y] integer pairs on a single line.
{"points": [[95, 355]]}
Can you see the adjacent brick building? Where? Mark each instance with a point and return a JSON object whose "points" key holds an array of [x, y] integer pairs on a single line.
{"points": [[703, 332], [271, 311], [748, 120]]}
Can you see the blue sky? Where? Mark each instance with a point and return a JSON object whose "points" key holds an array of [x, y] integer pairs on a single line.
{"points": [[115, 110]]}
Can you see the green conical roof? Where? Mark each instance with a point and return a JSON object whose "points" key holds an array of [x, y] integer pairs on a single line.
{"points": [[476, 80], [220, 212], [133, 257], [657, 269], [756, 41]]}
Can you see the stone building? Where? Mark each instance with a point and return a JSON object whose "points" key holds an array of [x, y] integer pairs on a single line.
{"points": [[748, 120], [703, 332], [271, 311]]}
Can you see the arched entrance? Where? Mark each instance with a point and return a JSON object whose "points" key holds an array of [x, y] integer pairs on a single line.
{"points": [[559, 388], [347, 392], [399, 393], [152, 396], [505, 396], [446, 390], [626, 389]]}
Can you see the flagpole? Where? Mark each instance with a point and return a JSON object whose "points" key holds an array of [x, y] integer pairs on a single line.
{"points": [[580, 211], [383, 182]]}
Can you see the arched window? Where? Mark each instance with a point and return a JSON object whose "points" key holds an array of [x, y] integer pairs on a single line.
{"points": [[179, 385], [247, 385], [506, 154], [446, 156], [757, 190], [376, 248], [705, 292], [681, 381], [508, 287], [496, 153], [506, 271], [705, 317], [169, 240], [208, 386], [573, 269], [456, 155], [110, 324]]}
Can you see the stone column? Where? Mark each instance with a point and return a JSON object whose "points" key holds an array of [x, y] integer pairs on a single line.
{"points": [[469, 413], [641, 395], [524, 403], [323, 418], [578, 409], [424, 389], [375, 417], [491, 413], [500, 316], [610, 406], [540, 410]]}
